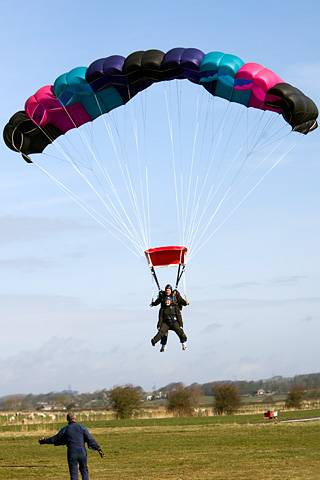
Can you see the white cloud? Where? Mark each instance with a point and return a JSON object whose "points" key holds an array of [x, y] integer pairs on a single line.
{"points": [[239, 285], [20, 229], [31, 264], [285, 280], [25, 264], [309, 318], [212, 327]]}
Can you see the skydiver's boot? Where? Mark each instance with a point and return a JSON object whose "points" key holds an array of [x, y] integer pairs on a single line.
{"points": [[163, 348], [153, 343], [184, 346]]}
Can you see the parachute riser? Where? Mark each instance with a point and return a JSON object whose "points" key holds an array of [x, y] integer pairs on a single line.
{"points": [[180, 272], [153, 273]]}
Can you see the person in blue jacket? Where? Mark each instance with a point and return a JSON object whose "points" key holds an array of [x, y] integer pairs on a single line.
{"points": [[75, 437]]}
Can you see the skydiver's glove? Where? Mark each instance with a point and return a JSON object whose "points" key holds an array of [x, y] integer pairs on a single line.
{"points": [[42, 441], [101, 453]]}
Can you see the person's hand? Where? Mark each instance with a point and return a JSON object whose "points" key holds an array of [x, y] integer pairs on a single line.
{"points": [[151, 304], [101, 453], [41, 441]]}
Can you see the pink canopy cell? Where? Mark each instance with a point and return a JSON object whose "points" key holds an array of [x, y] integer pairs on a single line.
{"points": [[43, 108], [260, 80]]}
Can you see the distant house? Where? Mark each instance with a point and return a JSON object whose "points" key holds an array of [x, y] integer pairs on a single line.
{"points": [[260, 392], [45, 406], [155, 396], [48, 407]]}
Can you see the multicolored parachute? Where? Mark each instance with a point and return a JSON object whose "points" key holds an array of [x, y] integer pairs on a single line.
{"points": [[206, 177], [83, 94]]}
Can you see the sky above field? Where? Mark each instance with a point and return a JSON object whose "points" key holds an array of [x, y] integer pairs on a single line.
{"points": [[73, 302]]}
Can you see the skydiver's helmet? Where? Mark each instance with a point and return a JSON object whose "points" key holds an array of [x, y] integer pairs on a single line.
{"points": [[168, 287], [168, 300]]}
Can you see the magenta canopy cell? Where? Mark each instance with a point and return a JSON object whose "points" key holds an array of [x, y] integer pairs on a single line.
{"points": [[45, 109], [259, 80]]}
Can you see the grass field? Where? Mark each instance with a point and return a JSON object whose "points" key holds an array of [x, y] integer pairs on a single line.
{"points": [[217, 448]]}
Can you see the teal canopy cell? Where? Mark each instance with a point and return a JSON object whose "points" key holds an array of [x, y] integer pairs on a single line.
{"points": [[72, 87], [219, 70]]}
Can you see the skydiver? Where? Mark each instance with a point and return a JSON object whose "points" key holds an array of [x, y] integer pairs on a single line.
{"points": [[169, 319], [75, 436], [176, 299], [169, 292]]}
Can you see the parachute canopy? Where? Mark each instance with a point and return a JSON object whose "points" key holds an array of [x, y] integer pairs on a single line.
{"points": [[166, 256], [219, 143], [83, 94]]}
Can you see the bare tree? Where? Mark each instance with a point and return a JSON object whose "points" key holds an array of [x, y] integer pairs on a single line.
{"points": [[295, 397], [14, 402], [182, 401], [226, 398], [125, 400]]}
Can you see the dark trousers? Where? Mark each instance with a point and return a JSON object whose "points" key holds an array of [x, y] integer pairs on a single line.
{"points": [[164, 339], [163, 332], [77, 457]]}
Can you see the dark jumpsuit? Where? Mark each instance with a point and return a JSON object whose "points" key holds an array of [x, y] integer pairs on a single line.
{"points": [[168, 320], [176, 299], [75, 436]]}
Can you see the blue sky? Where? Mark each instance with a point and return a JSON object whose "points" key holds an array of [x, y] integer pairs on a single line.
{"points": [[74, 303]]}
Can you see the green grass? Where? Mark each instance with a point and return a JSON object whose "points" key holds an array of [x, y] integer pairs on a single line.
{"points": [[209, 448], [103, 423]]}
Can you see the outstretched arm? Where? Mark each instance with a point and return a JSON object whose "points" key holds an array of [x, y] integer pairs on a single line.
{"points": [[58, 439], [90, 441]]}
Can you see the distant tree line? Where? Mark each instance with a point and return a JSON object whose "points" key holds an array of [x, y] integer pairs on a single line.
{"points": [[181, 400], [277, 384], [56, 400]]}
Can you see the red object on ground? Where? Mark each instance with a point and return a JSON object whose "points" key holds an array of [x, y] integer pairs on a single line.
{"points": [[270, 414], [166, 256]]}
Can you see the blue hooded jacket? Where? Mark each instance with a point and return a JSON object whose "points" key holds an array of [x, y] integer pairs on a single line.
{"points": [[73, 435]]}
